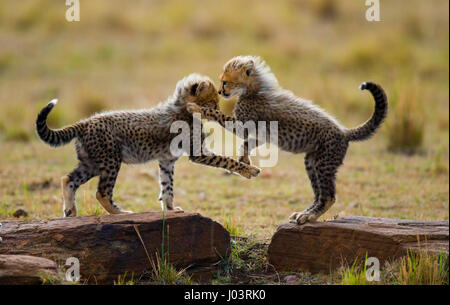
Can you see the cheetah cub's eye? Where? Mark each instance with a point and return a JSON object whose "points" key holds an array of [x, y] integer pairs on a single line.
{"points": [[194, 89]]}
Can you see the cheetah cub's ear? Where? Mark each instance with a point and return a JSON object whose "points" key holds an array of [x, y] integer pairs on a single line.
{"points": [[197, 88], [249, 67]]}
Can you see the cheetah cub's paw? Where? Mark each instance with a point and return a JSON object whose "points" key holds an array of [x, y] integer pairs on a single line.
{"points": [[70, 212], [249, 171], [193, 108], [303, 217], [254, 171], [125, 212], [178, 210]]}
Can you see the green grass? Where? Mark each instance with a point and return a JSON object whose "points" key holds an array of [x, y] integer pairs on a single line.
{"points": [[49, 279], [17, 135], [125, 280], [424, 269], [232, 228], [355, 274], [162, 271], [5, 211], [166, 274], [415, 268]]}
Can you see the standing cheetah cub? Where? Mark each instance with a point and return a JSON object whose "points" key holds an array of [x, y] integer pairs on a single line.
{"points": [[105, 140], [302, 126]]}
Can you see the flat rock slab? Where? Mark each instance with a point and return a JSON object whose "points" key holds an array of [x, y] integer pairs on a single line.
{"points": [[26, 270], [324, 246], [109, 246]]}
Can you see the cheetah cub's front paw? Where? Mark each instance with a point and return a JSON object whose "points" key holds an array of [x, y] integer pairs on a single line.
{"points": [[249, 171], [303, 217], [254, 171], [193, 108]]}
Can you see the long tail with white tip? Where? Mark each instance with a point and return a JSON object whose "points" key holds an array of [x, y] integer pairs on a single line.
{"points": [[56, 137], [367, 129]]}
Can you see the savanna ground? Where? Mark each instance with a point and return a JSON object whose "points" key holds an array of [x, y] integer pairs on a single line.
{"points": [[125, 55]]}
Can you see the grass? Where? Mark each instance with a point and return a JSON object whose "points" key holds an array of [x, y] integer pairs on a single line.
{"points": [[439, 165], [232, 228], [166, 274], [321, 50], [6, 61], [17, 134], [355, 274], [424, 269], [406, 130], [415, 268], [49, 279], [5, 210], [125, 280], [246, 264], [162, 271]]}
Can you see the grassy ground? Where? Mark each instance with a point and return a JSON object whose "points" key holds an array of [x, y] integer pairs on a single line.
{"points": [[131, 55]]}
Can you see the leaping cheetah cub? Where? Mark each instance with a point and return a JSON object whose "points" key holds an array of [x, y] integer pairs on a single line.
{"points": [[105, 140], [302, 126]]}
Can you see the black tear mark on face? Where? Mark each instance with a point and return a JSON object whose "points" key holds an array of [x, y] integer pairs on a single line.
{"points": [[194, 89]]}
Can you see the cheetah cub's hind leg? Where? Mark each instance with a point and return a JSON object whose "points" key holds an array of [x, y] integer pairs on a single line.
{"points": [[69, 186], [321, 169], [107, 180]]}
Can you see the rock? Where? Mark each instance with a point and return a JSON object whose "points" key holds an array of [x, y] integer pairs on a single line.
{"points": [[26, 270], [108, 246], [324, 246], [20, 212]]}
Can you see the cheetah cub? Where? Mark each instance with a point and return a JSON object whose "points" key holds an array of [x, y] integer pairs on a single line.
{"points": [[302, 126], [105, 140]]}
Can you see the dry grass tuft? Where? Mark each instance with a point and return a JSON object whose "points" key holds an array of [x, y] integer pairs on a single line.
{"points": [[439, 164], [17, 134], [424, 269], [405, 128]]}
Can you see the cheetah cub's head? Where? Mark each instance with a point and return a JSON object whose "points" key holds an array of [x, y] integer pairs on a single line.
{"points": [[198, 89], [245, 74]]}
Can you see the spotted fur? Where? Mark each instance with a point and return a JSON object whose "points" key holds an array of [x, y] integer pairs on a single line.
{"points": [[302, 126], [105, 140]]}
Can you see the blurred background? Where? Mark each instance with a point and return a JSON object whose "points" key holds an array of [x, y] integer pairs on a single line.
{"points": [[130, 54]]}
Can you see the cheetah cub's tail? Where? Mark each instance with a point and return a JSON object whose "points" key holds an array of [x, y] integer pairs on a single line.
{"points": [[367, 129], [54, 137]]}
